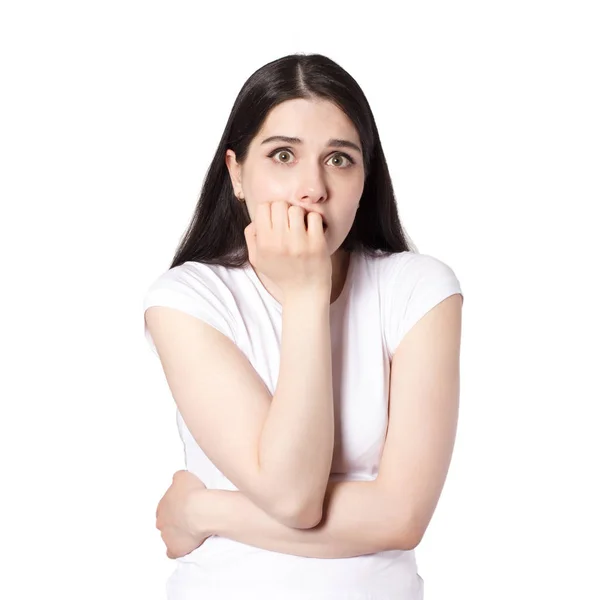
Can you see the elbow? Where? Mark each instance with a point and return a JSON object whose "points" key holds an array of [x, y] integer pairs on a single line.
{"points": [[309, 518], [410, 542], [301, 517], [290, 511], [406, 537]]}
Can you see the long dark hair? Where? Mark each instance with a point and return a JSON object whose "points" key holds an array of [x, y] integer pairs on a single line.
{"points": [[216, 232]]}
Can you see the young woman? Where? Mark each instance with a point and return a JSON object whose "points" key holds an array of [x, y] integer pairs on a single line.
{"points": [[312, 354]]}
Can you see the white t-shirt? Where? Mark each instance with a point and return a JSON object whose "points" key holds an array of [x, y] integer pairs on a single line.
{"points": [[382, 299]]}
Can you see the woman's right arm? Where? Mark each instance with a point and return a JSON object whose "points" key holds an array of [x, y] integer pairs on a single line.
{"points": [[296, 443], [276, 450]]}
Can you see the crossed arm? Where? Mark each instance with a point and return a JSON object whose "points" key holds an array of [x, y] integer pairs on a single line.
{"points": [[354, 523], [394, 510]]}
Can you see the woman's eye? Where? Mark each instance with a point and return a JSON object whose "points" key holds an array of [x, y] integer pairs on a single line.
{"points": [[280, 153], [338, 156]]}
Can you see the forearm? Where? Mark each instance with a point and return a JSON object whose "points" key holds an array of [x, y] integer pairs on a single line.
{"points": [[355, 522], [296, 443]]}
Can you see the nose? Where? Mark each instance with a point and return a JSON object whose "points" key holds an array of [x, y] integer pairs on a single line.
{"points": [[312, 188]]}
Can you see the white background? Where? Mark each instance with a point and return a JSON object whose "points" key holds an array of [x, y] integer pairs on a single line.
{"points": [[110, 114]]}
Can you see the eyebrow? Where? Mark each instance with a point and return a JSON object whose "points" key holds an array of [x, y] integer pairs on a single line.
{"points": [[332, 143]]}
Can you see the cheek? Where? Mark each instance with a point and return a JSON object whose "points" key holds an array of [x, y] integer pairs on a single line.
{"points": [[266, 188], [348, 215]]}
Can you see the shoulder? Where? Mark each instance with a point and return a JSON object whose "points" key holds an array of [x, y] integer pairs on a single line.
{"points": [[404, 269], [412, 284], [410, 265], [198, 281], [191, 276], [198, 289]]}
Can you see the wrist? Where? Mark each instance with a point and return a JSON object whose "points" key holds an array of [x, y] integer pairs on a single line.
{"points": [[307, 298], [202, 513]]}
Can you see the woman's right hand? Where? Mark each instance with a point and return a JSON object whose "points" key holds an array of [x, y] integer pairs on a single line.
{"points": [[296, 258], [177, 515]]}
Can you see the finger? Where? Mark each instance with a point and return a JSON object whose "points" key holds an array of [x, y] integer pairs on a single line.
{"points": [[250, 231], [250, 235], [262, 218], [296, 216], [315, 224], [279, 216]]}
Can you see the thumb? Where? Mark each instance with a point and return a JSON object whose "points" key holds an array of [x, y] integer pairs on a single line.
{"points": [[250, 235]]}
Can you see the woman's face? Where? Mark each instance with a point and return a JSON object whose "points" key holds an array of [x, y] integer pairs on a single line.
{"points": [[321, 170]]}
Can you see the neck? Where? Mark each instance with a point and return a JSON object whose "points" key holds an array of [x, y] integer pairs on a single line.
{"points": [[339, 263]]}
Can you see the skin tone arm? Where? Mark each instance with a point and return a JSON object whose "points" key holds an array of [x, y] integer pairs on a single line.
{"points": [[354, 523], [394, 510], [302, 408], [391, 512], [276, 450]]}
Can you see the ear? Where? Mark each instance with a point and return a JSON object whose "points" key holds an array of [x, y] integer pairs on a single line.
{"points": [[235, 172]]}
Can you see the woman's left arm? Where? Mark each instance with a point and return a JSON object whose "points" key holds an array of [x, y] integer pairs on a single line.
{"points": [[362, 517], [394, 510], [355, 522]]}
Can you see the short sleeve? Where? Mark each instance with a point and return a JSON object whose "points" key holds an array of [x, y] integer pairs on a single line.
{"points": [[416, 284], [194, 291]]}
